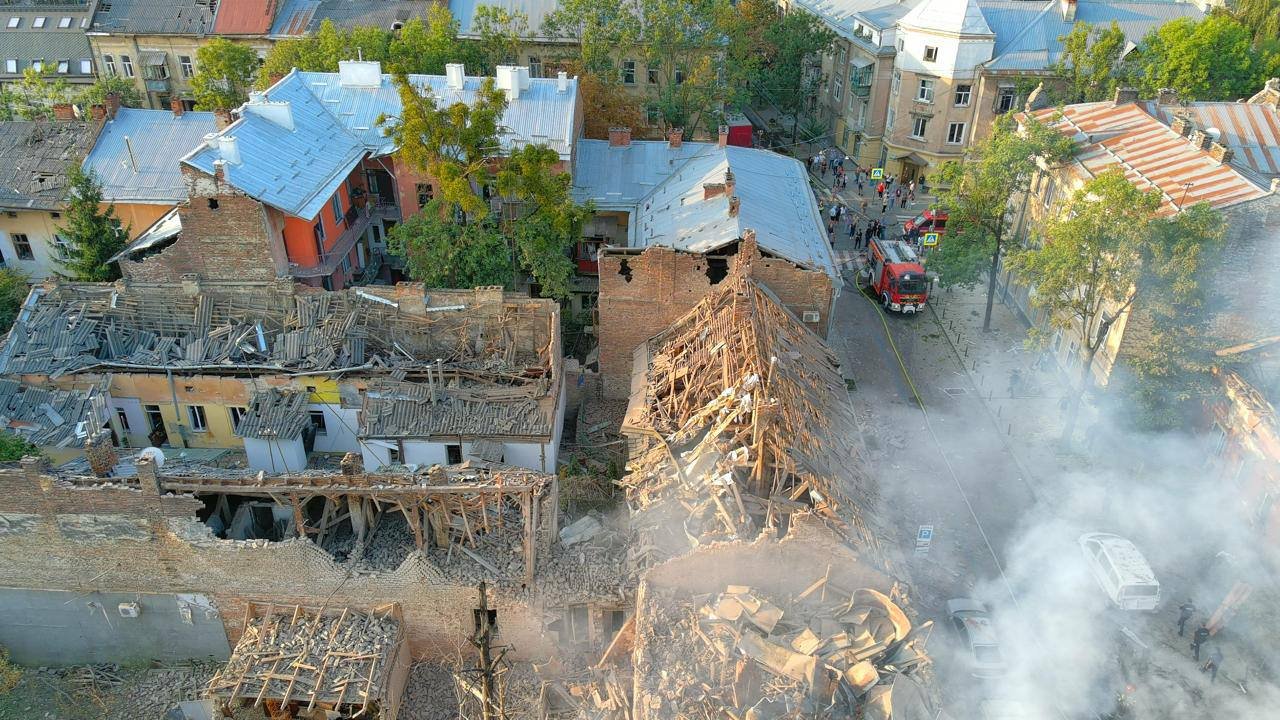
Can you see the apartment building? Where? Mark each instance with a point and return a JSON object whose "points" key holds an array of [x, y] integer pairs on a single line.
{"points": [[48, 37]]}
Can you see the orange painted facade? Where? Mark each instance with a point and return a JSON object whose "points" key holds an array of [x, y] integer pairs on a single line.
{"points": [[303, 246]]}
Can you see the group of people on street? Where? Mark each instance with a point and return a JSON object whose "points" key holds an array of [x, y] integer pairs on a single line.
{"points": [[841, 217], [1198, 638]]}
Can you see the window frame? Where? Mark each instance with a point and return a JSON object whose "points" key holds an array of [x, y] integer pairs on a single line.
{"points": [[628, 72], [19, 244], [14, 22], [951, 127], [64, 22], [335, 204], [235, 414], [187, 66], [426, 192], [39, 22], [1006, 92], [318, 232], [122, 417], [197, 418], [930, 53], [109, 65], [64, 67], [322, 427], [126, 65], [86, 66], [653, 72], [919, 121], [925, 89], [11, 65], [967, 92]]}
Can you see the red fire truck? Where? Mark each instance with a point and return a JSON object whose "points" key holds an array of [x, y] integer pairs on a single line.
{"points": [[927, 222], [894, 271]]}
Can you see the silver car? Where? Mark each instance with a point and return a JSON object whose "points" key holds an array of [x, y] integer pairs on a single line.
{"points": [[972, 620]]}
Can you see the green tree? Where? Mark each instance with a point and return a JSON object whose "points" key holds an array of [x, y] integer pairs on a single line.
{"points": [[225, 73], [1086, 267], [442, 251], [547, 221], [976, 194], [1090, 61], [599, 29], [94, 234], [501, 33], [456, 144], [1210, 59], [14, 288], [12, 449], [792, 71], [425, 48], [1262, 16], [606, 103], [1171, 370], [33, 97], [96, 94]]}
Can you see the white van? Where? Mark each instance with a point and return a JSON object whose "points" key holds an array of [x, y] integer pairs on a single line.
{"points": [[1121, 571]]}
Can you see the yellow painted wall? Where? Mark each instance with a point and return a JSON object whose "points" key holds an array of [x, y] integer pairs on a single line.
{"points": [[137, 217]]}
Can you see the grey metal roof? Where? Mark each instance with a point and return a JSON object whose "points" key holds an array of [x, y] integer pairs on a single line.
{"points": [[954, 16], [34, 159], [413, 410], [1030, 42], [334, 126], [775, 198], [885, 16], [146, 169], [464, 11], [301, 17], [839, 14], [48, 417], [155, 17], [50, 43], [274, 414]]}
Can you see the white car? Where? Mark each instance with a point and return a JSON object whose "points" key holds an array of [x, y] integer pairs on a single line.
{"points": [[972, 620], [1121, 571]]}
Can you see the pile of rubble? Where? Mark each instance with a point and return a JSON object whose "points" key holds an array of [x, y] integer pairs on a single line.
{"points": [[828, 653]]}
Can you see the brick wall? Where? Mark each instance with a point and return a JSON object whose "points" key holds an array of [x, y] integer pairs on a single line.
{"points": [[118, 539], [229, 242], [640, 295]]}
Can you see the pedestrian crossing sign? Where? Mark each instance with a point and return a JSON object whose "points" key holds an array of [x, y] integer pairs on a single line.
{"points": [[930, 239], [877, 173]]}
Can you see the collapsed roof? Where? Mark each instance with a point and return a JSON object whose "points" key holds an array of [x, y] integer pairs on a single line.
{"points": [[739, 412], [48, 417], [34, 160], [70, 328]]}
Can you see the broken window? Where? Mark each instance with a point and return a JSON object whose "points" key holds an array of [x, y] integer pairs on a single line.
{"points": [[236, 414], [123, 418], [717, 269], [22, 246], [624, 269], [317, 422], [453, 454], [196, 416]]}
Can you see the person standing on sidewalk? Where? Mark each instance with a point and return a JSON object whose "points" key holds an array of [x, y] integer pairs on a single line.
{"points": [[880, 190], [1185, 611]]}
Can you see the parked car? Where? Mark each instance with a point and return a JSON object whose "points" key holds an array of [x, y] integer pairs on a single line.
{"points": [[1121, 571], [972, 620]]}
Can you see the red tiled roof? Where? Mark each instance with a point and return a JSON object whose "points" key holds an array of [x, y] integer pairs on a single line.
{"points": [[1150, 154], [244, 17]]}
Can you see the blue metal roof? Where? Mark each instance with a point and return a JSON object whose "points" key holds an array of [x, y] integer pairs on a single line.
{"points": [[150, 173], [335, 126], [294, 170], [1027, 33]]}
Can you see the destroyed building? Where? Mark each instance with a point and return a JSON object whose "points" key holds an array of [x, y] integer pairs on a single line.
{"points": [[162, 563], [401, 374]]}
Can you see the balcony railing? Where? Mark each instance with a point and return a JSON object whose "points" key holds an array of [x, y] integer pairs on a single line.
{"points": [[384, 209], [156, 85], [357, 220]]}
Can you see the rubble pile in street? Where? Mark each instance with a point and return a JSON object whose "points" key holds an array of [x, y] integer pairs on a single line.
{"points": [[827, 653]]}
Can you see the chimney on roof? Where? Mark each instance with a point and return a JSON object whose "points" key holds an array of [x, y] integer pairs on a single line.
{"points": [[219, 171], [730, 184], [221, 118], [1201, 138], [100, 454], [1167, 96], [1124, 96], [675, 137], [562, 82], [619, 136], [455, 75], [1182, 125], [1068, 8], [229, 149], [113, 105], [513, 79], [1220, 152], [98, 112], [724, 135], [359, 73], [734, 205], [712, 190], [64, 111], [175, 104], [278, 113]]}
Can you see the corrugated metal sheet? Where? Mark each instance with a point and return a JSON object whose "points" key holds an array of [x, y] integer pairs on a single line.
{"points": [[302, 17], [293, 19], [616, 178], [150, 173], [275, 414], [1025, 42], [1251, 130], [34, 158], [155, 17], [48, 417], [298, 170], [244, 17], [775, 201], [24, 45], [1152, 155]]}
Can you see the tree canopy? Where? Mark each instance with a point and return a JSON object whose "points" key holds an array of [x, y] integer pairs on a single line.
{"points": [[34, 96], [607, 103], [14, 288], [225, 73], [976, 194], [456, 144], [501, 32], [1209, 59], [92, 233], [1090, 62]]}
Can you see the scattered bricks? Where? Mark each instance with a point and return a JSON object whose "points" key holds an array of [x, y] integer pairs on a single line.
{"points": [[352, 464]]}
